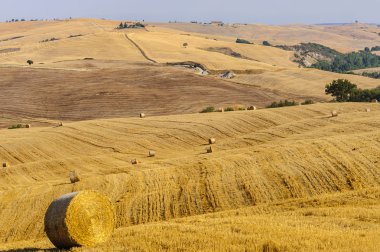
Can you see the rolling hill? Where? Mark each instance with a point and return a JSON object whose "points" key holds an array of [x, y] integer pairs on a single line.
{"points": [[291, 172]]}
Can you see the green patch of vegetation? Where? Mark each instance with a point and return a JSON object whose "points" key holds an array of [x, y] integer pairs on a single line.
{"points": [[375, 48], [345, 91], [16, 126], [350, 61], [208, 110], [374, 75], [307, 102], [306, 48], [228, 109], [243, 41], [280, 104], [266, 43]]}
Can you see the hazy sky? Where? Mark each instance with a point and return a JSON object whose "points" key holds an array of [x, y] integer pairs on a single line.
{"points": [[244, 11]]}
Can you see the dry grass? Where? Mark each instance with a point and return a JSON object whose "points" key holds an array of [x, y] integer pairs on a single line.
{"points": [[264, 157]]}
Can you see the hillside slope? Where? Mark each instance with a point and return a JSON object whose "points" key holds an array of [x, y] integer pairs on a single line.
{"points": [[261, 157]]}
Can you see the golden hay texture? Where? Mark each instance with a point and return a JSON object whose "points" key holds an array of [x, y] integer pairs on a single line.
{"points": [[84, 218], [190, 201], [74, 177]]}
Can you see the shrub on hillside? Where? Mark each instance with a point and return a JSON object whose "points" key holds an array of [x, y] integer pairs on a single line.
{"points": [[242, 41], [208, 110], [266, 43], [307, 102], [280, 104]]}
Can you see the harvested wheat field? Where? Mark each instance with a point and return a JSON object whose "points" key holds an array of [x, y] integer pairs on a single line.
{"points": [[286, 179]]}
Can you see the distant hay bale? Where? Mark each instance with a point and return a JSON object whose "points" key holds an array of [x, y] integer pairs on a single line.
{"points": [[211, 140], [5, 165], [60, 124], [134, 161], [84, 218], [209, 149], [28, 126], [374, 101], [334, 113], [152, 153], [367, 110], [252, 108], [142, 115], [221, 110], [74, 178]]}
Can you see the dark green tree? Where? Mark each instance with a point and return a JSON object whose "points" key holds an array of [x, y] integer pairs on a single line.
{"points": [[121, 26], [341, 89]]}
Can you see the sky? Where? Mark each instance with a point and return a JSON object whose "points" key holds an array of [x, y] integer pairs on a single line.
{"points": [[232, 11]]}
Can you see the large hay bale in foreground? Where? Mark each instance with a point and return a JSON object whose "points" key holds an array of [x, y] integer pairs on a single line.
{"points": [[76, 219], [74, 177]]}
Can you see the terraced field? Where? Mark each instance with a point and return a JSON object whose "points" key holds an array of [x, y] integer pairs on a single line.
{"points": [[287, 179]]}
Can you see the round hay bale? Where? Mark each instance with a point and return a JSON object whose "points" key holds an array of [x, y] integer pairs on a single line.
{"points": [[5, 164], [334, 113], [367, 110], [76, 219], [252, 108], [142, 115], [374, 101], [212, 141], [209, 149], [60, 124], [221, 110], [134, 161], [152, 153], [28, 126], [74, 178]]}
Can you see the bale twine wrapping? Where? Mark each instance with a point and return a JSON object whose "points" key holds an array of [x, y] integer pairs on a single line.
{"points": [[209, 149], [28, 126], [76, 219], [74, 178], [142, 115], [212, 141], [367, 110], [152, 153], [5, 164], [334, 113]]}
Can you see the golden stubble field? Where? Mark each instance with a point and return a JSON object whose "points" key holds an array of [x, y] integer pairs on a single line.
{"points": [[290, 179], [287, 179]]}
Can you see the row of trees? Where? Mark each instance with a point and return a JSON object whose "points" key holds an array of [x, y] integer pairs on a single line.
{"points": [[126, 26], [345, 91]]}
